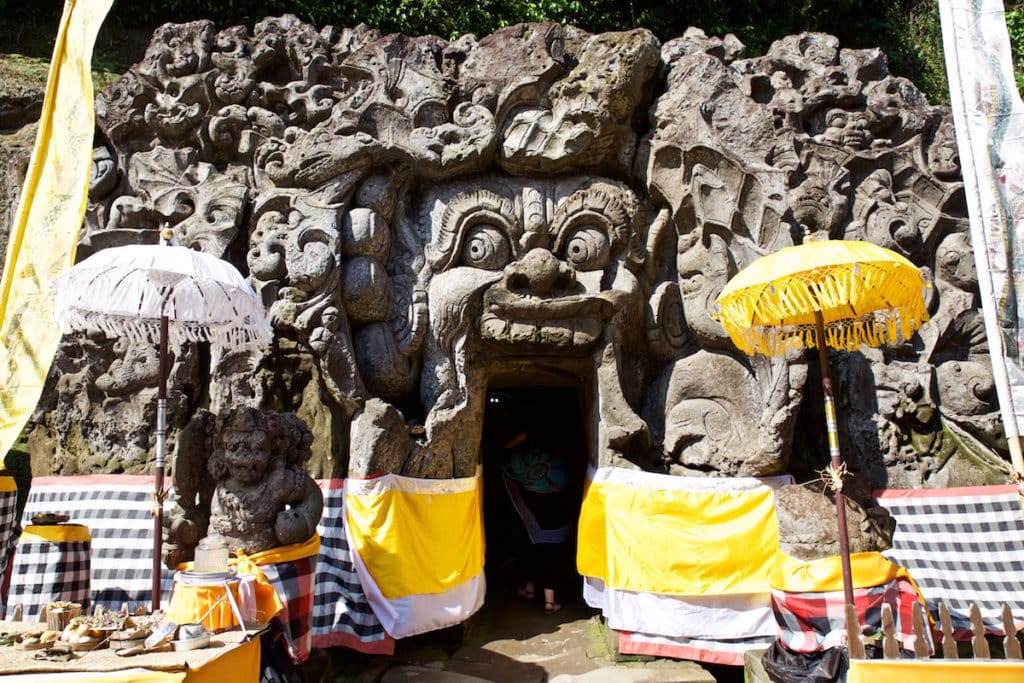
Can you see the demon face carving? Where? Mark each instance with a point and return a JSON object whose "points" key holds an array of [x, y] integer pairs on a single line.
{"points": [[534, 278]]}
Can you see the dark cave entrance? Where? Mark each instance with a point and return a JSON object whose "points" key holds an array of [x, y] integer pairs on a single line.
{"points": [[534, 456]]}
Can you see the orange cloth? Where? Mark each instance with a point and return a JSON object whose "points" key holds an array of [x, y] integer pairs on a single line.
{"points": [[190, 602]]}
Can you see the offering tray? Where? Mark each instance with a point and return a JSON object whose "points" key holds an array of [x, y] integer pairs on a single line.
{"points": [[49, 518]]}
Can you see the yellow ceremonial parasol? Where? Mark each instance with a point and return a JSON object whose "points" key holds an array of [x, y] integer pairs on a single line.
{"points": [[832, 293]]}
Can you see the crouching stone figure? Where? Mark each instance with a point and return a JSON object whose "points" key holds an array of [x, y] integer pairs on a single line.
{"points": [[240, 475]]}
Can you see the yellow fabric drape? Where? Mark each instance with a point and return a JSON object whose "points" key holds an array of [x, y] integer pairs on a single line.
{"points": [[867, 569], [57, 533], [7, 484], [416, 536], [677, 542], [930, 671], [240, 663], [135, 675], [44, 233], [283, 553]]}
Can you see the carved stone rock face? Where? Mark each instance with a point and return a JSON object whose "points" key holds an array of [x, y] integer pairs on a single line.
{"points": [[807, 521], [426, 221], [729, 417], [520, 270]]}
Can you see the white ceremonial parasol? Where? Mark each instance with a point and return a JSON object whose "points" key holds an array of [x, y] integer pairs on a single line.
{"points": [[153, 294]]}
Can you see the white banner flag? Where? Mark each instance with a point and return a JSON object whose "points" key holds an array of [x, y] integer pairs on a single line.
{"points": [[989, 119]]}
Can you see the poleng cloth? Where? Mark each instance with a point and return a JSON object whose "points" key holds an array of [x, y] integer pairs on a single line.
{"points": [[117, 508], [342, 615], [52, 563], [284, 579], [962, 545], [8, 527], [418, 549], [809, 602], [686, 536]]}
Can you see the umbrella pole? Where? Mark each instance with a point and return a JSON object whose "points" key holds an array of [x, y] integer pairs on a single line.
{"points": [[161, 431], [833, 447]]}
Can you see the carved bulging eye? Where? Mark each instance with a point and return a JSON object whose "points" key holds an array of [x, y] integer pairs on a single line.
{"points": [[587, 249], [486, 247], [691, 282]]}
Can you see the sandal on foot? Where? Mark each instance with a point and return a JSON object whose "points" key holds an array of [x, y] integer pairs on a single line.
{"points": [[551, 607], [525, 593]]}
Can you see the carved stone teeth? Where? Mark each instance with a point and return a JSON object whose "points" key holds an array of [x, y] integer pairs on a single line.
{"points": [[493, 327], [555, 333], [522, 331]]}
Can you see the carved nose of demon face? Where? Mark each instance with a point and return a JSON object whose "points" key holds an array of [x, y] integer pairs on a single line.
{"points": [[540, 274]]}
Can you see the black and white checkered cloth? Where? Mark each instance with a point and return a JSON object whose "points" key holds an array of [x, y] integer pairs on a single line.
{"points": [[961, 546], [341, 613], [46, 571], [9, 532], [117, 510]]}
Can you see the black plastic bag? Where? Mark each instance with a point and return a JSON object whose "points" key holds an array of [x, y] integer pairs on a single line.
{"points": [[785, 666], [275, 664]]}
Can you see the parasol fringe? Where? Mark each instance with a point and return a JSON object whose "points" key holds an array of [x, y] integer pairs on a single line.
{"points": [[146, 330], [783, 310]]}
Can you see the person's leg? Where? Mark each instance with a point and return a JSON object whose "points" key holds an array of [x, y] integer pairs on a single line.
{"points": [[550, 605], [531, 559], [546, 568]]}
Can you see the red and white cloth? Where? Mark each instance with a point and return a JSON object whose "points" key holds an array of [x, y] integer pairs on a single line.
{"points": [[812, 622]]}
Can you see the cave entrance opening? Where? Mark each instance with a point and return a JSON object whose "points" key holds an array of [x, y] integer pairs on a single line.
{"points": [[534, 457]]}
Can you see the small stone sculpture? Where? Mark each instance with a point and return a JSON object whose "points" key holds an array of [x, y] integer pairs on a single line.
{"points": [[260, 498]]}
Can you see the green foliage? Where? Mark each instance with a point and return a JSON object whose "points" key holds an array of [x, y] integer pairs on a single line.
{"points": [[916, 50], [17, 464], [1015, 27], [907, 30]]}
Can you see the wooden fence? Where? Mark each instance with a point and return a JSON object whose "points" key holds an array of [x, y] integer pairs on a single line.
{"points": [[891, 646]]}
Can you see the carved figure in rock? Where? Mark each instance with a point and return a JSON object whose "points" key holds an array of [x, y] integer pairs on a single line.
{"points": [[963, 370], [530, 269], [254, 491], [714, 410], [113, 387], [820, 200]]}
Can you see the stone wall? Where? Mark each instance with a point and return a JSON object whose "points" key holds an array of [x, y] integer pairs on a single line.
{"points": [[426, 220]]}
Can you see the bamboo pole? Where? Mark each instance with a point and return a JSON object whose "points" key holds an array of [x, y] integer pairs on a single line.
{"points": [[835, 458]]}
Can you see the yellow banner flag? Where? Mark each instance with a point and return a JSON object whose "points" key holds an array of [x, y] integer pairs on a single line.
{"points": [[44, 235]]}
